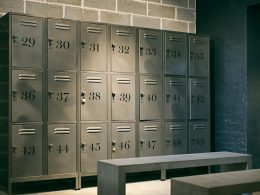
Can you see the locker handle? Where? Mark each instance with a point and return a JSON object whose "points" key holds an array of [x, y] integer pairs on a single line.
{"points": [[50, 40], [50, 147], [168, 141], [83, 43], [148, 36], [93, 30], [14, 37], [123, 33], [176, 39], [83, 144], [141, 141], [113, 143]]}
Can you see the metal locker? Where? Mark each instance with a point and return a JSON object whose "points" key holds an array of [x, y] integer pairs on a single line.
{"points": [[26, 150], [175, 53], [123, 97], [61, 96], [123, 140], [26, 96], [199, 137], [26, 41], [93, 47], [150, 138], [150, 51], [123, 49], [61, 148], [176, 138], [93, 96], [61, 44], [150, 97], [93, 145], [199, 98], [175, 98], [198, 55]]}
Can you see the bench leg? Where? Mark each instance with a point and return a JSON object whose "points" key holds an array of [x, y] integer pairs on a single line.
{"points": [[111, 180], [163, 174]]}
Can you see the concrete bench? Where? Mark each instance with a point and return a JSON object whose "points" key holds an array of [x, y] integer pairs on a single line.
{"points": [[112, 173], [231, 183]]}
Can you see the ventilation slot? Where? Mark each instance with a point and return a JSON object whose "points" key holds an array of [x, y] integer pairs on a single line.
{"points": [[176, 39], [176, 83], [197, 41], [151, 128], [147, 36], [93, 30], [123, 81], [123, 33], [176, 127], [199, 127], [150, 82], [27, 77], [62, 131], [94, 130], [123, 129], [28, 23], [27, 131], [94, 80], [62, 78], [199, 84], [62, 26]]}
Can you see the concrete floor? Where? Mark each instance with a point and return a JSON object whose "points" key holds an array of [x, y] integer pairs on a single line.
{"points": [[154, 187]]}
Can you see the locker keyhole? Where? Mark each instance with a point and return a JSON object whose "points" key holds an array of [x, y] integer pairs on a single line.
{"points": [[167, 53], [167, 98], [141, 142], [50, 94], [113, 96], [15, 94], [50, 40], [113, 47], [14, 37], [141, 51], [14, 148], [83, 43]]}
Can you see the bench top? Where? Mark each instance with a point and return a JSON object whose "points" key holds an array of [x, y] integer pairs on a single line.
{"points": [[218, 180], [212, 156]]}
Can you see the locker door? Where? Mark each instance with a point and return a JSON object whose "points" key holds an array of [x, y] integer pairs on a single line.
{"points": [[61, 96], [123, 140], [150, 51], [199, 140], [199, 55], [93, 96], [93, 145], [176, 138], [150, 97], [61, 44], [199, 99], [123, 97], [26, 96], [123, 49], [93, 47], [150, 138], [175, 98], [26, 150], [176, 53], [61, 148], [26, 41]]}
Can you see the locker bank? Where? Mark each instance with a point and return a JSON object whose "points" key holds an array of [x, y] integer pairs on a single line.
{"points": [[79, 92]]}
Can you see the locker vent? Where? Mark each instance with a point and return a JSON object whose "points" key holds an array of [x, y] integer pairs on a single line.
{"points": [[199, 127], [62, 26], [62, 131], [27, 131], [123, 81], [94, 80], [176, 83], [123, 129], [93, 30], [27, 77], [196, 83], [62, 78], [147, 36], [94, 129], [123, 33], [176, 127], [176, 39], [150, 128], [197, 41], [28, 23], [150, 82]]}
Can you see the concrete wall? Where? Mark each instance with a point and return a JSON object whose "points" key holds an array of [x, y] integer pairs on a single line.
{"points": [[176, 15]]}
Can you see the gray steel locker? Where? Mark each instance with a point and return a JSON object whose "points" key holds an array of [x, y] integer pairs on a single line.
{"points": [[26, 150], [93, 96], [61, 96], [26, 41], [198, 55], [61, 148], [176, 138], [61, 44], [123, 97], [93, 145], [123, 49], [150, 51], [199, 98], [26, 96], [123, 140], [175, 53], [150, 138], [150, 97], [93, 47], [199, 137], [175, 98]]}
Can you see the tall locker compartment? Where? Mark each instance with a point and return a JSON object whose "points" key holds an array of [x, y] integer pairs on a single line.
{"points": [[175, 134], [199, 94]]}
